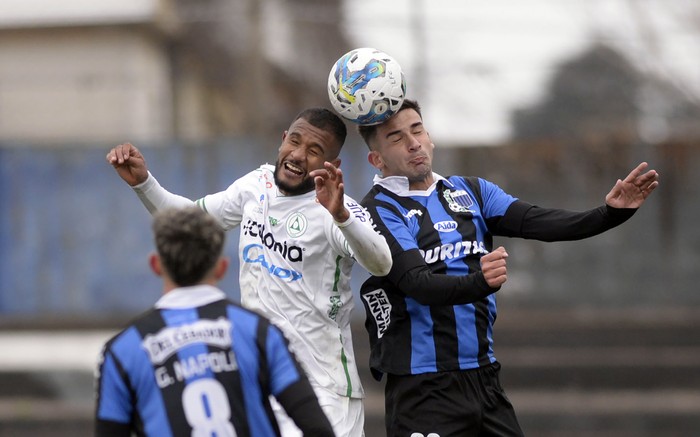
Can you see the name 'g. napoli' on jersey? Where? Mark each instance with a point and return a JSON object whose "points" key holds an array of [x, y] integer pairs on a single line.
{"points": [[446, 228], [295, 267]]}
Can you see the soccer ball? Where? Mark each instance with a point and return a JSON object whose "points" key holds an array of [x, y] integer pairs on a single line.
{"points": [[366, 86]]}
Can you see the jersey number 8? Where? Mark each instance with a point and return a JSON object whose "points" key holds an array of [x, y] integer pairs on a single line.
{"points": [[207, 409]]}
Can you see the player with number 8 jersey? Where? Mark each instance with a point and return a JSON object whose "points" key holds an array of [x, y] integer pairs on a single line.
{"points": [[197, 364]]}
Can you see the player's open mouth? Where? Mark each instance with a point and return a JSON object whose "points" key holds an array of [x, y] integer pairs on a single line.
{"points": [[298, 171]]}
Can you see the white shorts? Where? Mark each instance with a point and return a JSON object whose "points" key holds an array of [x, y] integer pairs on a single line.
{"points": [[347, 415]]}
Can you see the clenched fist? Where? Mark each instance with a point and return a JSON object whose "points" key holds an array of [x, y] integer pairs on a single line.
{"points": [[493, 266]]}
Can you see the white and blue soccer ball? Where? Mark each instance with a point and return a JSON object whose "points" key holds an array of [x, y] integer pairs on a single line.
{"points": [[366, 86]]}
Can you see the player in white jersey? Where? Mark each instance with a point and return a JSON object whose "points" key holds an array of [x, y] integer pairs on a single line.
{"points": [[299, 237]]}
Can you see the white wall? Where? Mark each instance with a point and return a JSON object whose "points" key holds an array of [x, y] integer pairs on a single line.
{"points": [[84, 85]]}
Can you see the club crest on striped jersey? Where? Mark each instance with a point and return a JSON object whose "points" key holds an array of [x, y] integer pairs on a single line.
{"points": [[458, 200], [296, 224]]}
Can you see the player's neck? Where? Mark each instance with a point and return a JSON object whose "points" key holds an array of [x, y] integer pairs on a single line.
{"points": [[421, 184]]}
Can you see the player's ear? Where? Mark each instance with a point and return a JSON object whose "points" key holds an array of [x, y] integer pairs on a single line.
{"points": [[221, 268], [154, 263], [375, 159]]}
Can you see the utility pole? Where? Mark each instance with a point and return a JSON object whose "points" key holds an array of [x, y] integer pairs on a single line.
{"points": [[418, 82], [257, 96]]}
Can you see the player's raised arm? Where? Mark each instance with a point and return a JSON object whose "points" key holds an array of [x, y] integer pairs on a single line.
{"points": [[129, 163], [368, 247]]}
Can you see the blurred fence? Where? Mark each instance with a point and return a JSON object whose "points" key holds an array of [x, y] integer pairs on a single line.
{"points": [[74, 238]]}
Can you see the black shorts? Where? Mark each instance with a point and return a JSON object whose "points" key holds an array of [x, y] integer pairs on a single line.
{"points": [[449, 404]]}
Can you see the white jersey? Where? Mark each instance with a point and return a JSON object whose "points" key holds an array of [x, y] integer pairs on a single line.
{"points": [[295, 265]]}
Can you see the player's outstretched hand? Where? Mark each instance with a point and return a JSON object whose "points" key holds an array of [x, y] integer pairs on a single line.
{"points": [[493, 266], [634, 189], [330, 190], [129, 163]]}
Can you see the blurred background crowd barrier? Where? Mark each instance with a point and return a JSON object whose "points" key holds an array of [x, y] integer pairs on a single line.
{"points": [[75, 238]]}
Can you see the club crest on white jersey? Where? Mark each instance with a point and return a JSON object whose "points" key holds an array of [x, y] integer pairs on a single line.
{"points": [[296, 225]]}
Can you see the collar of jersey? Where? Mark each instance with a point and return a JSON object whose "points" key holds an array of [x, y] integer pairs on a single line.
{"points": [[188, 297], [399, 185]]}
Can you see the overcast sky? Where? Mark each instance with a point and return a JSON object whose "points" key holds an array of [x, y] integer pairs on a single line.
{"points": [[470, 63]]}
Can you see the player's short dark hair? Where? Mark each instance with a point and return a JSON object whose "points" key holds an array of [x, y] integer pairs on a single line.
{"points": [[368, 132], [325, 119], [189, 242]]}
